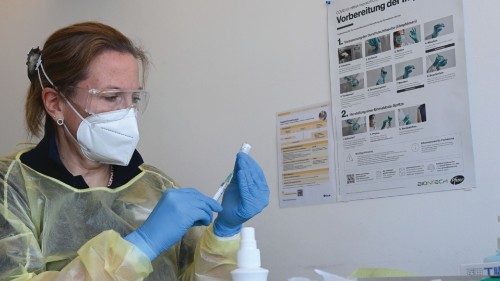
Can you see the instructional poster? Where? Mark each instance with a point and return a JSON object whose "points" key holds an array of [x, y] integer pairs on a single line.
{"points": [[399, 93], [305, 157]]}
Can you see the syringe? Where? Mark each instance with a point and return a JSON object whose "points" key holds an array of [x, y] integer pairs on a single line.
{"points": [[245, 148]]}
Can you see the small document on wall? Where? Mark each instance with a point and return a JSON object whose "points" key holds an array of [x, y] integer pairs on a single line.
{"points": [[305, 157], [399, 95]]}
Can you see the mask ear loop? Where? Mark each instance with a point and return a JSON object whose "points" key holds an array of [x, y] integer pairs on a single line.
{"points": [[37, 68], [74, 139], [73, 108]]}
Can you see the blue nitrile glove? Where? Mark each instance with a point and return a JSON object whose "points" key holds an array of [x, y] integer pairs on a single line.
{"points": [[437, 28], [383, 74], [375, 44], [354, 124], [407, 120], [352, 80], [408, 70], [246, 196], [439, 62], [414, 35], [387, 122], [176, 212]]}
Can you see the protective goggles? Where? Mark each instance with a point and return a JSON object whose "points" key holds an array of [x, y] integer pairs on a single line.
{"points": [[101, 101]]}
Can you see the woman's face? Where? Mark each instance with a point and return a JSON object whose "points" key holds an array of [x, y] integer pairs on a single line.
{"points": [[398, 37], [371, 121], [109, 70]]}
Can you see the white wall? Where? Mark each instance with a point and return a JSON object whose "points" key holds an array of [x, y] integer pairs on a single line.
{"points": [[223, 68]]}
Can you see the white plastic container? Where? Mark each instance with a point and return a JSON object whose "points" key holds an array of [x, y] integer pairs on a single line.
{"points": [[249, 259], [494, 258]]}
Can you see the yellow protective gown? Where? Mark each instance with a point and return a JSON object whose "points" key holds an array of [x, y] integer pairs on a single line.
{"points": [[52, 231]]}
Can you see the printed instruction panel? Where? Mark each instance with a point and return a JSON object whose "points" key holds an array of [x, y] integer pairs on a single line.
{"points": [[305, 157], [399, 93]]}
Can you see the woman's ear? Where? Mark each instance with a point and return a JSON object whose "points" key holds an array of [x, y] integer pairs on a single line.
{"points": [[52, 102]]}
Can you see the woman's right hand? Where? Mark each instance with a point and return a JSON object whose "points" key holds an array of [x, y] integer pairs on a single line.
{"points": [[176, 212]]}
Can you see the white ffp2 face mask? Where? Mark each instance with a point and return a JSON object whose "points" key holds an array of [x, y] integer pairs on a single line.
{"points": [[109, 141], [109, 137]]}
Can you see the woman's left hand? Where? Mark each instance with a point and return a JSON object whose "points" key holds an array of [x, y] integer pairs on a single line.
{"points": [[246, 196]]}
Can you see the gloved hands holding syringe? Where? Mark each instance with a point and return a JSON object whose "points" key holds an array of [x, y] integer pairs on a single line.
{"points": [[247, 194]]}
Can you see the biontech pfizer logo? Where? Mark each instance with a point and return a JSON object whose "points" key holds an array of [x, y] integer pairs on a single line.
{"points": [[457, 180]]}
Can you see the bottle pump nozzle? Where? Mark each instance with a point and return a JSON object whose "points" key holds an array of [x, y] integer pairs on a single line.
{"points": [[248, 255], [249, 259]]}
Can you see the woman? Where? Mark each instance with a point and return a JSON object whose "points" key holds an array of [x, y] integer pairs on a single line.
{"points": [[400, 38], [82, 205]]}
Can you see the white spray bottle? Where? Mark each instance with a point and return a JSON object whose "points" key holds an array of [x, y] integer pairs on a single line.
{"points": [[249, 259], [495, 258]]}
